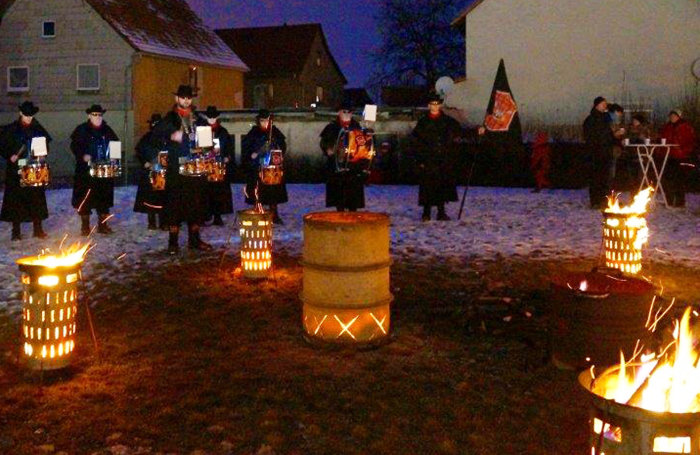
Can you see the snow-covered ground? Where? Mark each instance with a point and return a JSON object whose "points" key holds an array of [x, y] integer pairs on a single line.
{"points": [[498, 222]]}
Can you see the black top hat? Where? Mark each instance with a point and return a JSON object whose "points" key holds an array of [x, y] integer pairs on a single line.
{"points": [[27, 108], [95, 108], [434, 98], [263, 113], [184, 91], [212, 112], [346, 105], [155, 118]]}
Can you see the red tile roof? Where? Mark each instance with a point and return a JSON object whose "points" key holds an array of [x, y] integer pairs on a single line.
{"points": [[163, 27], [275, 51]]}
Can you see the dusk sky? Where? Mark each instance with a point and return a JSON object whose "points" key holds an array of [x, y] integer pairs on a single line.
{"points": [[349, 25]]}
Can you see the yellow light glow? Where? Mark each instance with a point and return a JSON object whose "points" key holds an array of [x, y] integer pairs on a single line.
{"points": [[48, 280], [638, 205], [72, 256], [672, 445]]}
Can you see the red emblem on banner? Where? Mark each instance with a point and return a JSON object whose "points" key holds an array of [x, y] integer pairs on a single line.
{"points": [[504, 109]]}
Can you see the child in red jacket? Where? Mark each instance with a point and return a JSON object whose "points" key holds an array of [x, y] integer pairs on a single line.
{"points": [[679, 132]]}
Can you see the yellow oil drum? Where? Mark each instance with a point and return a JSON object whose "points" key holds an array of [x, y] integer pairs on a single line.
{"points": [[345, 291]]}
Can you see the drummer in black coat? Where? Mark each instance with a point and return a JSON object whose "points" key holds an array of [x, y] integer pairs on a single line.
{"points": [[147, 200], [219, 196], [435, 140], [255, 153], [185, 196], [89, 143], [22, 204], [345, 189]]}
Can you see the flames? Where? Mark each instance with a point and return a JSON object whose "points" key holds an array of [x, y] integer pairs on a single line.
{"points": [[637, 207], [668, 381], [70, 256]]}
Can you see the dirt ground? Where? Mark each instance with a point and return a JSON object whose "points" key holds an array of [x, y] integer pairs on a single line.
{"points": [[194, 359]]}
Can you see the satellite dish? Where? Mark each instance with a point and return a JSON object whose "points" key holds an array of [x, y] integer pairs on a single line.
{"points": [[696, 69], [444, 85]]}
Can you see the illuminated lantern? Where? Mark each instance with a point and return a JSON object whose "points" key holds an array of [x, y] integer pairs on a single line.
{"points": [[49, 307], [256, 243], [346, 264], [625, 232], [648, 404]]}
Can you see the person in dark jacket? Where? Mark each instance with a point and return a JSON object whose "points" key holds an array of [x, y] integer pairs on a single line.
{"points": [[219, 196], [345, 186], [599, 139], [185, 196], [89, 143], [435, 140], [22, 204], [680, 133], [256, 146], [147, 200]]}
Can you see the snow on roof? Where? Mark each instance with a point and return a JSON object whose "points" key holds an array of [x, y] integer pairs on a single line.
{"points": [[166, 28]]}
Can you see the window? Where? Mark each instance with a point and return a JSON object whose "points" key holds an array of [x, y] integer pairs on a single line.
{"points": [[319, 94], [88, 77], [18, 79], [259, 96], [48, 29]]}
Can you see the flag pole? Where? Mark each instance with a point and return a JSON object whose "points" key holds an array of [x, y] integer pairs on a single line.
{"points": [[469, 179]]}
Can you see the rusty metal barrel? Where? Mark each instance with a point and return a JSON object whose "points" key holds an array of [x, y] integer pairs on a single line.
{"points": [[346, 263], [597, 314]]}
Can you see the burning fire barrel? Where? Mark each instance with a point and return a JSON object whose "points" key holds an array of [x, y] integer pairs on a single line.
{"points": [[649, 404], [596, 314], [256, 243], [625, 232], [346, 264], [49, 308]]}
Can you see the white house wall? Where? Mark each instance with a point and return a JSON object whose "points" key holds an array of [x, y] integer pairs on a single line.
{"points": [[561, 54]]}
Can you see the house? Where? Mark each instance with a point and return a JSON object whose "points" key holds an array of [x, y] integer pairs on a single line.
{"points": [[290, 66], [560, 55], [358, 97], [127, 55]]}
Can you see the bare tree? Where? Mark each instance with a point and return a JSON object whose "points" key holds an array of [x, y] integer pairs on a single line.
{"points": [[418, 43]]}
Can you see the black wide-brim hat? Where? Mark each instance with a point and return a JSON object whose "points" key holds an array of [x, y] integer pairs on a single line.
{"points": [[263, 113], [345, 105], [212, 112], [28, 108], [185, 91], [155, 118], [95, 108]]}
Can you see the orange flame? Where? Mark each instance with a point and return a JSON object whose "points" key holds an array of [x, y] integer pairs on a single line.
{"points": [[73, 255], [637, 207]]}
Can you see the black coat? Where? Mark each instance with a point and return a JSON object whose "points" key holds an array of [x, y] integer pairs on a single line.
{"points": [[343, 189], [185, 196], [435, 146], [597, 133], [86, 140], [219, 196], [147, 200], [21, 204], [256, 141]]}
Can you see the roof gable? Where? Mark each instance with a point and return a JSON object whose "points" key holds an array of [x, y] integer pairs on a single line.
{"points": [[462, 17], [276, 50], [166, 28]]}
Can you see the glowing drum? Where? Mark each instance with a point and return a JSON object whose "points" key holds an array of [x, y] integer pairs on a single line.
{"points": [[34, 175], [624, 235], [194, 167], [49, 307], [256, 243], [217, 172], [157, 179], [346, 292], [109, 170]]}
